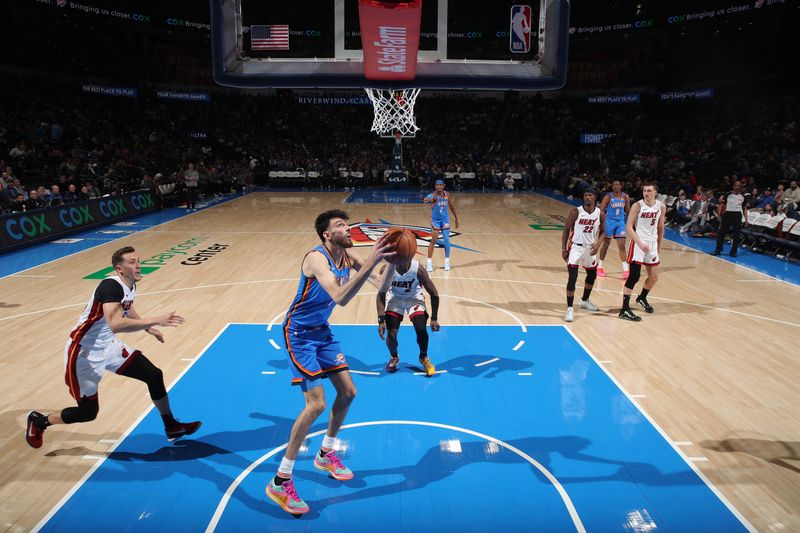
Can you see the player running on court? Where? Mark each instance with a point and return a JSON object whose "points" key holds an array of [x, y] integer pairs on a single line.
{"points": [[442, 203], [646, 228], [615, 205], [314, 353], [93, 348], [579, 248], [400, 294]]}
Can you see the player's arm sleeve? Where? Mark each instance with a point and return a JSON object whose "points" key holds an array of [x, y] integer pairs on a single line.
{"points": [[427, 283], [109, 291]]}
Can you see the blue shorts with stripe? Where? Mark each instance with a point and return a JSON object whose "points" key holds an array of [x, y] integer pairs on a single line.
{"points": [[440, 223], [313, 354], [615, 228]]}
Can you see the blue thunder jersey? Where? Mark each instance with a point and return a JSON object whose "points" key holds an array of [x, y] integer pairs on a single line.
{"points": [[312, 306], [440, 207], [615, 210]]}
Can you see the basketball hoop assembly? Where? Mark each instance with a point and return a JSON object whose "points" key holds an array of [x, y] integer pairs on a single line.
{"points": [[394, 111]]}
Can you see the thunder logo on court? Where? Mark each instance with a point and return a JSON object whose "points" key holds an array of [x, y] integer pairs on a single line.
{"points": [[367, 232]]}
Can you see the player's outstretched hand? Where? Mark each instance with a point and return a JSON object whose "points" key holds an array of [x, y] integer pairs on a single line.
{"points": [[170, 320], [382, 249], [435, 325], [382, 330]]}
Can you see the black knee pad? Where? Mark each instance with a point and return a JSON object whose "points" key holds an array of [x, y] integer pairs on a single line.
{"points": [[86, 411], [142, 369], [591, 275], [573, 277], [633, 276]]}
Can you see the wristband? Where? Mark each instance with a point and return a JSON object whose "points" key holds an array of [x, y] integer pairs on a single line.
{"points": [[381, 319], [435, 318]]}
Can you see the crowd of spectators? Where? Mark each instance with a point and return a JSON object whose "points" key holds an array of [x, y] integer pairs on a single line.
{"points": [[59, 145]]}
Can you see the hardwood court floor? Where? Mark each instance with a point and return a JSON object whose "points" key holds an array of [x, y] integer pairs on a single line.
{"points": [[716, 366]]}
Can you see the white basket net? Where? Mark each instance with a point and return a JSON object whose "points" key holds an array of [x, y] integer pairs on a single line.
{"points": [[394, 111]]}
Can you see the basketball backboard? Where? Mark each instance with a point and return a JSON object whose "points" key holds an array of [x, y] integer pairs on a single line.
{"points": [[519, 45]]}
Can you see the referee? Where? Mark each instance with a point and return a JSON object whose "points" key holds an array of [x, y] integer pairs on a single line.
{"points": [[732, 206]]}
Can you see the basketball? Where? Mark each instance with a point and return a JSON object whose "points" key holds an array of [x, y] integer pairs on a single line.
{"points": [[405, 244]]}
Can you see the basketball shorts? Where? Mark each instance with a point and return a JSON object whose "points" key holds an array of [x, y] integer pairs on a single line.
{"points": [[84, 367], [398, 308], [615, 228], [637, 255], [439, 223], [313, 354], [579, 256]]}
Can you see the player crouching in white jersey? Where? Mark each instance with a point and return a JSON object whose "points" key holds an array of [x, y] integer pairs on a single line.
{"points": [[646, 228], [93, 348], [401, 293], [579, 247]]}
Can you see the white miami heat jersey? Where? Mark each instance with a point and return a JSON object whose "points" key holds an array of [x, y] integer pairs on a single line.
{"points": [[586, 225], [406, 287], [92, 331], [647, 223]]}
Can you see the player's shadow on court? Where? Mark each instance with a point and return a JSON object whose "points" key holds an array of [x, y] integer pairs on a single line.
{"points": [[214, 457], [677, 308], [463, 365], [539, 268], [498, 264], [438, 464], [466, 366], [4, 305], [776, 452]]}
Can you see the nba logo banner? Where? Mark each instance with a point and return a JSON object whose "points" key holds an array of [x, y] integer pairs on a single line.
{"points": [[520, 31]]}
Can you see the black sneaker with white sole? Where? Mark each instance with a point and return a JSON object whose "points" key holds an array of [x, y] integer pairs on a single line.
{"points": [[645, 305], [627, 314]]}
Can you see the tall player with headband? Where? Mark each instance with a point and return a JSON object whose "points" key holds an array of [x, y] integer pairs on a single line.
{"points": [[646, 228], [616, 205], [442, 203]]}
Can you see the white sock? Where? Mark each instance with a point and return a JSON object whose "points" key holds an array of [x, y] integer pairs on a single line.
{"points": [[600, 263], [429, 260], [285, 469], [625, 266], [328, 443]]}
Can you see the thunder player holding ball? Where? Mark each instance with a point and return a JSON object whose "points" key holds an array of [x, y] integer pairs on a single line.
{"points": [[583, 225], [442, 203], [404, 295]]}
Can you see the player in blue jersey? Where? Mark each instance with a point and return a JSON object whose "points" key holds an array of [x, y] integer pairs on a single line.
{"points": [[615, 206], [442, 203], [325, 281]]}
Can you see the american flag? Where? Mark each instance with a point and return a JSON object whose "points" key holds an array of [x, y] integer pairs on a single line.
{"points": [[271, 37]]}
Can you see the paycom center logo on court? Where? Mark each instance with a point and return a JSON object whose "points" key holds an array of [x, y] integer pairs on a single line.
{"points": [[182, 251]]}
